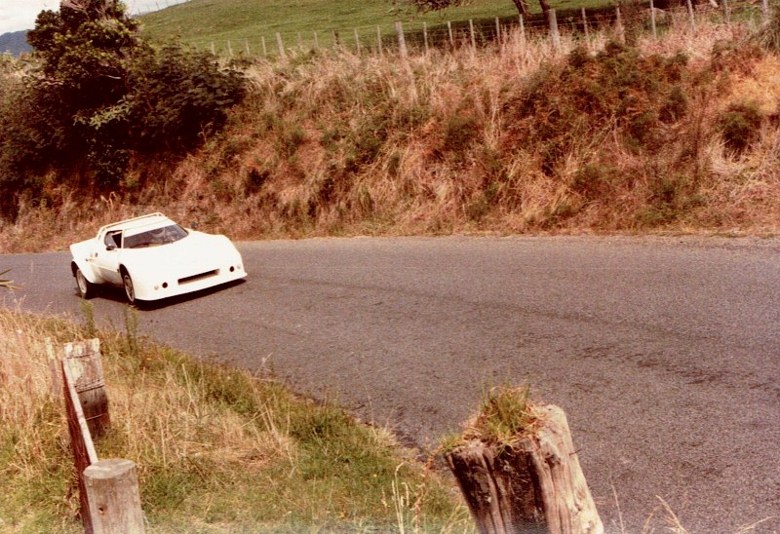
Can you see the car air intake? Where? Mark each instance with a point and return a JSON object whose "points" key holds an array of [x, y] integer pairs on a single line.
{"points": [[196, 277]]}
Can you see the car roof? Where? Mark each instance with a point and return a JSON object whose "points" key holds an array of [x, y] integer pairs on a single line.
{"points": [[150, 220]]}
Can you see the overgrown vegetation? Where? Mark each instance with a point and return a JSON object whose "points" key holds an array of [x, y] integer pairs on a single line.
{"points": [[674, 134], [96, 96], [218, 450]]}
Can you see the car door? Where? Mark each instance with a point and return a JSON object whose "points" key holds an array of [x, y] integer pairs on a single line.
{"points": [[107, 255]]}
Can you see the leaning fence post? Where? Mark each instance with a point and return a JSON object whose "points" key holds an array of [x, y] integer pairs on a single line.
{"points": [[693, 18], [81, 444], [114, 497], [83, 361], [449, 31], [399, 30], [473, 36], [357, 41]]}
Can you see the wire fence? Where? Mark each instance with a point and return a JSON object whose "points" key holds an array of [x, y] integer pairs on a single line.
{"points": [[420, 37]]}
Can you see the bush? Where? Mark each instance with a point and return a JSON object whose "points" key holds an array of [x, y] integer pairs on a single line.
{"points": [[97, 94], [616, 88], [178, 96], [740, 126]]}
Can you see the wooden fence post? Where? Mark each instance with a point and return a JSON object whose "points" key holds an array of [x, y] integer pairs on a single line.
{"points": [[765, 10], [425, 36], [619, 29], [449, 31], [473, 36], [552, 19], [114, 497], [585, 24], [535, 485], [522, 32], [82, 360], [652, 20], [357, 42], [265, 48], [727, 12], [81, 444], [693, 18], [280, 45], [399, 30], [379, 40], [498, 32]]}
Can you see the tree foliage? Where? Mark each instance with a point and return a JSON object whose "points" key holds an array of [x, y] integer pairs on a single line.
{"points": [[99, 94]]}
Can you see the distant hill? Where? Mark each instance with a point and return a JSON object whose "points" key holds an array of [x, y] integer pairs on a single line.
{"points": [[15, 43]]}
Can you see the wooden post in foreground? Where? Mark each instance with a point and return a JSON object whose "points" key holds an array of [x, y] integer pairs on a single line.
{"points": [[83, 360], [81, 444], [533, 485], [114, 497]]}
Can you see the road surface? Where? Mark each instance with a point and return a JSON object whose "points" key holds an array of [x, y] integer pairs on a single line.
{"points": [[664, 352]]}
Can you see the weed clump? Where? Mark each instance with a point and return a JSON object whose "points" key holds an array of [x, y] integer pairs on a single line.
{"points": [[616, 89], [740, 126]]}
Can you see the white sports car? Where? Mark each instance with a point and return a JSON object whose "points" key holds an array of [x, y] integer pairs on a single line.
{"points": [[154, 258]]}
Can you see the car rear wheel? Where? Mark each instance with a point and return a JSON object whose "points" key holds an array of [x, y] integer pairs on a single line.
{"points": [[127, 282], [86, 288]]}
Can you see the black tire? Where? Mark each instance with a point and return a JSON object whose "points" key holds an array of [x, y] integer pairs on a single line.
{"points": [[127, 284], [85, 287]]}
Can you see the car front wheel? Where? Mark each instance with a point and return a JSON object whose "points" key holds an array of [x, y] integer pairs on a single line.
{"points": [[86, 288], [127, 282]]}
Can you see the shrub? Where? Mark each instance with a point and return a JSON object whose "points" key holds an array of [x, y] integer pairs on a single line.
{"points": [[740, 126], [178, 96]]}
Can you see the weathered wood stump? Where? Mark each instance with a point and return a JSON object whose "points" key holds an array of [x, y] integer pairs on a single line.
{"points": [[86, 367], [531, 484], [114, 497]]}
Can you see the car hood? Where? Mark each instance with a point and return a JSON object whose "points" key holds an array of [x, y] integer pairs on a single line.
{"points": [[196, 252]]}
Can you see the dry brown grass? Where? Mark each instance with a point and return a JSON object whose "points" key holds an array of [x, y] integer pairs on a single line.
{"points": [[217, 449], [340, 144]]}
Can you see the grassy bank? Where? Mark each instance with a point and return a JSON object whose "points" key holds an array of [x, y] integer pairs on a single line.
{"points": [[671, 135], [218, 450]]}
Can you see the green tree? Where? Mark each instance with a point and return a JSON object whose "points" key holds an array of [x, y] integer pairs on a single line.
{"points": [[99, 95], [85, 50]]}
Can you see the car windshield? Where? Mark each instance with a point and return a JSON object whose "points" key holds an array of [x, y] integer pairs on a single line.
{"points": [[155, 237]]}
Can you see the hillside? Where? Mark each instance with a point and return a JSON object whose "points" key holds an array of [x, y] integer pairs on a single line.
{"points": [[204, 23], [667, 135], [14, 43]]}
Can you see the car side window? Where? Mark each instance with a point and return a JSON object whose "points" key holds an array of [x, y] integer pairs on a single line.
{"points": [[113, 239]]}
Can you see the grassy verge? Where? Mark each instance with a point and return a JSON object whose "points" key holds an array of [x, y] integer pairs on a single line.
{"points": [[218, 450]]}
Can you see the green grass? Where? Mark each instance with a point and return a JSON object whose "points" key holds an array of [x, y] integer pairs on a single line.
{"points": [[217, 449], [244, 22]]}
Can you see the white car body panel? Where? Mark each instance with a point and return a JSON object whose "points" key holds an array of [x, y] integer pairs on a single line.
{"points": [[159, 270]]}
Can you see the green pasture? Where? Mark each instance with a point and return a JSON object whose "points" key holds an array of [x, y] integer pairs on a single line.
{"points": [[246, 23]]}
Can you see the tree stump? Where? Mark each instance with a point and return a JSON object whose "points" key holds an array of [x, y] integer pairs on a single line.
{"points": [[114, 497], [532, 485]]}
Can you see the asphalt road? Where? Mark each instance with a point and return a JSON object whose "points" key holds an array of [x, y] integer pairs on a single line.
{"points": [[664, 352]]}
